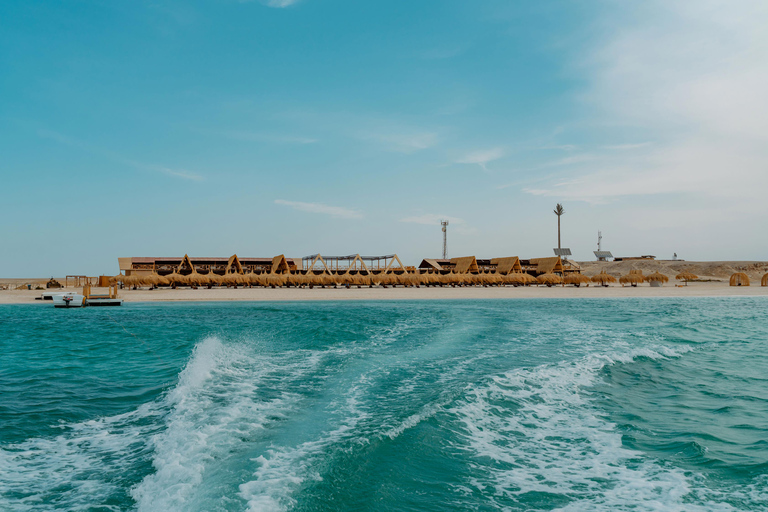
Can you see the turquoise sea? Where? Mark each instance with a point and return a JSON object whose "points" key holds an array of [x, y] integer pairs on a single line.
{"points": [[637, 404]]}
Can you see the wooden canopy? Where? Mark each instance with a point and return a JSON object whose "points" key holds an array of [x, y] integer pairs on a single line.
{"points": [[280, 265], [547, 265], [464, 264], [507, 265]]}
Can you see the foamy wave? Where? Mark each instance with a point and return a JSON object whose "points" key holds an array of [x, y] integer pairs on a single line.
{"points": [[217, 405], [283, 470], [534, 431], [83, 467]]}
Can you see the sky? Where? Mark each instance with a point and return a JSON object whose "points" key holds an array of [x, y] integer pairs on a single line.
{"points": [[209, 128]]}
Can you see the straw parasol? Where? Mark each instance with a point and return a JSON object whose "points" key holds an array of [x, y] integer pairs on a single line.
{"points": [[764, 281], [686, 276], [157, 280], [739, 279], [577, 279], [603, 278], [528, 279], [657, 277], [632, 279], [275, 280], [174, 278], [549, 279]]}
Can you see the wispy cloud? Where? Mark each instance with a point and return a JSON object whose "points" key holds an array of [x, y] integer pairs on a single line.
{"points": [[268, 137], [691, 76], [482, 158], [279, 4], [117, 158], [323, 209], [405, 141], [628, 147]]}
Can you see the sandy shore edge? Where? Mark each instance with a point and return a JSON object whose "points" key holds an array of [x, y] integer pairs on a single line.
{"points": [[423, 293]]}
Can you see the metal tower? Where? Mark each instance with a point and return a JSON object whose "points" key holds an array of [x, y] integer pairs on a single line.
{"points": [[599, 240], [444, 223]]}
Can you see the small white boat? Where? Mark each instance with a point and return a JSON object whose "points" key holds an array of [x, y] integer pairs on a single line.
{"points": [[68, 300], [49, 295]]}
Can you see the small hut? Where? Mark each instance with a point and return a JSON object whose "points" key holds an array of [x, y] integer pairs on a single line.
{"points": [[739, 279], [686, 276], [603, 278], [657, 279], [764, 281]]}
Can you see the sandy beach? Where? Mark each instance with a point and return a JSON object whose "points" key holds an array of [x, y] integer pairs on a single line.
{"points": [[711, 289], [713, 283]]}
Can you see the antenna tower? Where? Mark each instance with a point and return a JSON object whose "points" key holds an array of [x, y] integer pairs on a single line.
{"points": [[444, 223], [599, 240]]}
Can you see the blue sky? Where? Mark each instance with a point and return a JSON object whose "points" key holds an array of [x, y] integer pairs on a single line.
{"points": [[258, 128]]}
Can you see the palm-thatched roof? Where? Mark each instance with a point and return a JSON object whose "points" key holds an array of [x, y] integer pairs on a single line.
{"points": [[464, 264], [632, 279], [686, 276], [547, 265], [657, 276], [549, 279], [577, 279], [739, 279], [603, 278], [506, 265]]}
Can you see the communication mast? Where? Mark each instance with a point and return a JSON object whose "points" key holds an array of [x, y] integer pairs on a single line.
{"points": [[600, 254], [444, 223]]}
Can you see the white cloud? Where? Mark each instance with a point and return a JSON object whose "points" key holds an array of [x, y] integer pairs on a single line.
{"points": [[266, 137], [407, 142], [178, 173], [690, 75], [482, 157], [323, 209], [115, 157], [280, 3]]}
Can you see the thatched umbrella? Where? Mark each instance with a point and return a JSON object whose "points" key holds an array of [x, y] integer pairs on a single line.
{"points": [[739, 279], [528, 279], [603, 278], [156, 279], [686, 276], [576, 279], [657, 279], [764, 281], [276, 280], [174, 278], [632, 279], [549, 279]]}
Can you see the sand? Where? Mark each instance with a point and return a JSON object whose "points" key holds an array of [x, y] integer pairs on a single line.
{"points": [[714, 274], [712, 289]]}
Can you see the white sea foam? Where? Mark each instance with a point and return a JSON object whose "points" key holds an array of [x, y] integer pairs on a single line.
{"points": [[217, 405], [80, 468], [284, 470], [535, 431]]}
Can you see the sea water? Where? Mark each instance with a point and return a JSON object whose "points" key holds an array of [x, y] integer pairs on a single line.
{"points": [[636, 404]]}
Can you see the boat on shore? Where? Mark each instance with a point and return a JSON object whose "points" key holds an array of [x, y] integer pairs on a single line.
{"points": [[68, 300]]}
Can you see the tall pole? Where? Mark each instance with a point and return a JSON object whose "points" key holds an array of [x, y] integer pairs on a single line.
{"points": [[559, 210], [444, 223]]}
